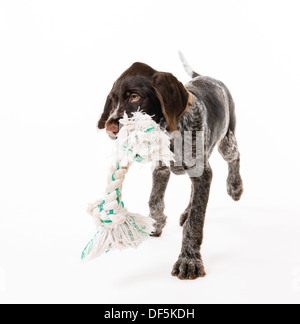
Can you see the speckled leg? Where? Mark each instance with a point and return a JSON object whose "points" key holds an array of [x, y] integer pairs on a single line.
{"points": [[189, 264], [187, 211], [229, 150], [161, 176]]}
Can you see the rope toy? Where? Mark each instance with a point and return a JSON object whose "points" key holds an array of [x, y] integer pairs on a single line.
{"points": [[141, 140]]}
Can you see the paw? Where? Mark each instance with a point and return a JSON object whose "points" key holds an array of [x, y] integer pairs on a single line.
{"points": [[159, 224], [190, 269], [156, 233], [235, 189]]}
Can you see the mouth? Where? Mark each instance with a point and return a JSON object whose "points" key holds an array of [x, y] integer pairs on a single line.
{"points": [[112, 135], [112, 130]]}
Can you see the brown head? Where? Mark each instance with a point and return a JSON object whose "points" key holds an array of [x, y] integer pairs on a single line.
{"points": [[158, 94]]}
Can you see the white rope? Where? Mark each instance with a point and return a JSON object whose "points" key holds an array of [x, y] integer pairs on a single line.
{"points": [[139, 140]]}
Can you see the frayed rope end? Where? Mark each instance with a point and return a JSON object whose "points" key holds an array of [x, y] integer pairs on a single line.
{"points": [[131, 233]]}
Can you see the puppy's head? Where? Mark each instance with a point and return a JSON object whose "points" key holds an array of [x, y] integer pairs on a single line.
{"points": [[142, 88]]}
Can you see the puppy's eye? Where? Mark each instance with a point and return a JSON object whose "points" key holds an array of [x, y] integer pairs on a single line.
{"points": [[134, 97]]}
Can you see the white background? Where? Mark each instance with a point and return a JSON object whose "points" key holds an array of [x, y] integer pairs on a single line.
{"points": [[58, 60]]}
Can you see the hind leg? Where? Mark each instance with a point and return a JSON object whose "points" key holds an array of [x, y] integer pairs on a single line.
{"points": [[234, 181], [229, 151]]}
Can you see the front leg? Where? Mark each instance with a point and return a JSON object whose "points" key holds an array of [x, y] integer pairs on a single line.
{"points": [[187, 211], [189, 264], [160, 177]]}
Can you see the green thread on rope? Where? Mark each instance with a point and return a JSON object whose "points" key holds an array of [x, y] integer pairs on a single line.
{"points": [[149, 129], [129, 232], [138, 158], [110, 212], [88, 246], [131, 219], [113, 178], [106, 221], [109, 247], [101, 205]]}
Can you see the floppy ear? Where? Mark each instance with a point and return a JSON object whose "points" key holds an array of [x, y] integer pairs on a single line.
{"points": [[106, 111], [173, 98]]}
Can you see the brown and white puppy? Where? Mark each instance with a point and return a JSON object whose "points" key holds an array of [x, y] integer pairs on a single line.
{"points": [[203, 106], [158, 94]]}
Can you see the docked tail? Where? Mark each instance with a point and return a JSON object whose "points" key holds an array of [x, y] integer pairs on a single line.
{"points": [[187, 67]]}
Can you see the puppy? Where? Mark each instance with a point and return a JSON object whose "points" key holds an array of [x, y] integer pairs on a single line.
{"points": [[203, 109]]}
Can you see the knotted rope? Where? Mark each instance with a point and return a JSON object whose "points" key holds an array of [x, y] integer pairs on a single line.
{"points": [[139, 140], [105, 211]]}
